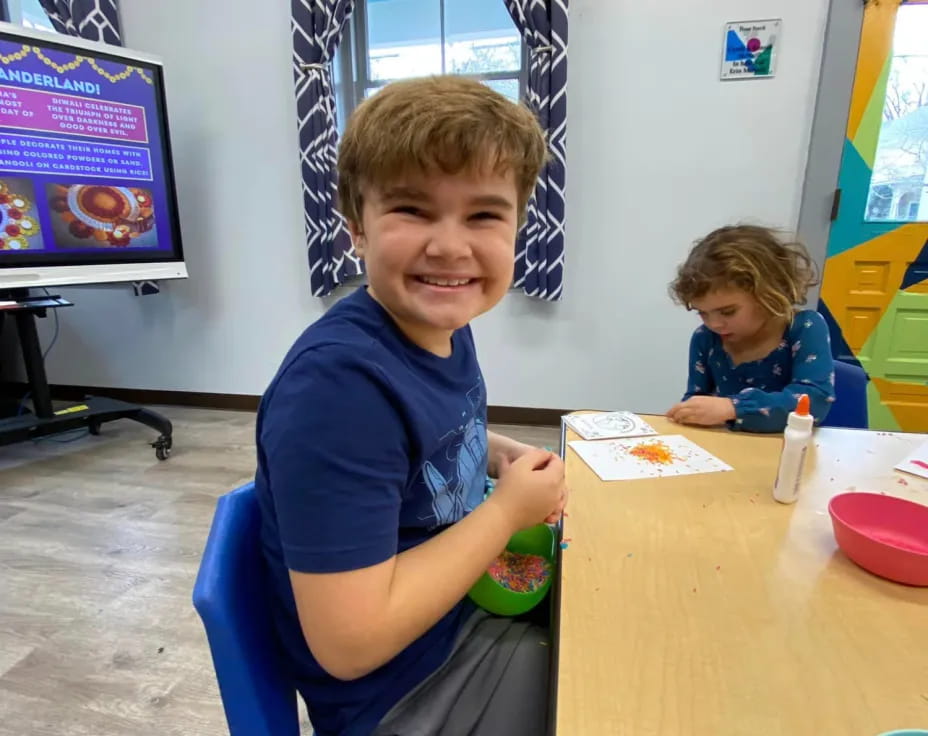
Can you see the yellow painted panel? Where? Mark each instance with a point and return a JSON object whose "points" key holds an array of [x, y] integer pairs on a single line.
{"points": [[876, 40], [871, 277], [867, 277], [858, 324]]}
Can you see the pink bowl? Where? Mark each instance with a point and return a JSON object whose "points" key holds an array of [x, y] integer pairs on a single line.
{"points": [[886, 535]]}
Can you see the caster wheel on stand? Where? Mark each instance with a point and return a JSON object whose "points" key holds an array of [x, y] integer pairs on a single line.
{"points": [[163, 447]]}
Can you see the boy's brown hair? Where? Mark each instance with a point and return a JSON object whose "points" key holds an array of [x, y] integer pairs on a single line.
{"points": [[444, 124], [777, 273]]}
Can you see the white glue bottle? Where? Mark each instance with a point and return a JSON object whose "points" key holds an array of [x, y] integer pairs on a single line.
{"points": [[795, 445]]}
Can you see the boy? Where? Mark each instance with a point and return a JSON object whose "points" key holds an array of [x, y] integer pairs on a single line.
{"points": [[372, 441]]}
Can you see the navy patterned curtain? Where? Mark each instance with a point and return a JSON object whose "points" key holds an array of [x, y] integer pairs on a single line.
{"points": [[95, 20], [540, 249], [317, 28]]}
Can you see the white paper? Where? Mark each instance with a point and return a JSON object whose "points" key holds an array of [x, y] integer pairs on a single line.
{"points": [[609, 425], [916, 463], [616, 459]]}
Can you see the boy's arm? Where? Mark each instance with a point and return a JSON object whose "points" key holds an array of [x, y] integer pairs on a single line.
{"points": [[337, 458], [813, 374], [358, 620]]}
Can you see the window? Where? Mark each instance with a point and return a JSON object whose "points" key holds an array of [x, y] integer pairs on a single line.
{"points": [[397, 39], [899, 185], [28, 13]]}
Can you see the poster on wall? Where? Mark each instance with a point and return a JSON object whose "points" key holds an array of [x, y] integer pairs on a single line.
{"points": [[750, 50]]}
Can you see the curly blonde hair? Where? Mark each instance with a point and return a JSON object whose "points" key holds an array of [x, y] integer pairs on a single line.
{"points": [[445, 124], [779, 274]]}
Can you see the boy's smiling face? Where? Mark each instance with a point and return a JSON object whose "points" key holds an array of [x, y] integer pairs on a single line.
{"points": [[438, 249]]}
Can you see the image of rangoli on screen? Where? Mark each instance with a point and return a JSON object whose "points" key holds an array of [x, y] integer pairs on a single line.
{"points": [[19, 222], [101, 216]]}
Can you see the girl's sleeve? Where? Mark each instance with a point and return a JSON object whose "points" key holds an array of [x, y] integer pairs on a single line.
{"points": [[813, 374], [699, 382]]}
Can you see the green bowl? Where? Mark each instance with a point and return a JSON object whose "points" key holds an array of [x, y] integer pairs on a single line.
{"points": [[493, 597]]}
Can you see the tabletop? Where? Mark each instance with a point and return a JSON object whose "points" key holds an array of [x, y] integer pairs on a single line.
{"points": [[699, 605]]}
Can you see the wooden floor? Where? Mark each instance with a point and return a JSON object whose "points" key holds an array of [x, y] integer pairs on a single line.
{"points": [[99, 547]]}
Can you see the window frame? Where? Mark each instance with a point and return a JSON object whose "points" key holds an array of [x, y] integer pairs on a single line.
{"points": [[11, 8], [353, 67]]}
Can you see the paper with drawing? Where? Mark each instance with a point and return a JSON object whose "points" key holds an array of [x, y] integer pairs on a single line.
{"points": [[609, 425], [633, 459]]}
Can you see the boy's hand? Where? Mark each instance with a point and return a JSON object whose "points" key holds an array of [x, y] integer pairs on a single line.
{"points": [[706, 411], [532, 489], [503, 451]]}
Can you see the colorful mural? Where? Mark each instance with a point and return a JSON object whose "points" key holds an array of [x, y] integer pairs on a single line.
{"points": [[875, 282]]}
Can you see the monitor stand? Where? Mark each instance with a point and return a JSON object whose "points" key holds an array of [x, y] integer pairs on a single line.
{"points": [[91, 413]]}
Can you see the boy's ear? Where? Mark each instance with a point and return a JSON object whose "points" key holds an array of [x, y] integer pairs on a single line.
{"points": [[357, 237]]}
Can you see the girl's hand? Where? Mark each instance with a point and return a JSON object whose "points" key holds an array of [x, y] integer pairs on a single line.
{"points": [[705, 411]]}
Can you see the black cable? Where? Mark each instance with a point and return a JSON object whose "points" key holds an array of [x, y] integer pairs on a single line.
{"points": [[57, 330]]}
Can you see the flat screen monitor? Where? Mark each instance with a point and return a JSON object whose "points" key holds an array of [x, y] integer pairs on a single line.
{"points": [[87, 190]]}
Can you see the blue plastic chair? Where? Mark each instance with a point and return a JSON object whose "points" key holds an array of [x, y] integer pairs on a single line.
{"points": [[850, 407], [231, 595]]}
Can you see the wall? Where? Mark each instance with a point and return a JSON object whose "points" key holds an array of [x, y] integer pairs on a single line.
{"points": [[659, 152], [233, 127]]}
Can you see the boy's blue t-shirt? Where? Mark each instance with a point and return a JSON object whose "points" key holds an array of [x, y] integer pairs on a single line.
{"points": [[367, 446]]}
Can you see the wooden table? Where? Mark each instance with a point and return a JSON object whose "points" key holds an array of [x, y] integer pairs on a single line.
{"points": [[697, 605]]}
